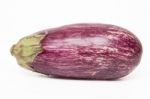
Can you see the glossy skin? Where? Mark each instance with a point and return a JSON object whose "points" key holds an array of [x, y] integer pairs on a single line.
{"points": [[88, 51]]}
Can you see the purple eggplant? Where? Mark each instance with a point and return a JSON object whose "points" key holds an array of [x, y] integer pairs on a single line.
{"points": [[80, 51]]}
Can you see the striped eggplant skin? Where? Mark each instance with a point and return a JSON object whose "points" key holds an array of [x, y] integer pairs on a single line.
{"points": [[82, 51]]}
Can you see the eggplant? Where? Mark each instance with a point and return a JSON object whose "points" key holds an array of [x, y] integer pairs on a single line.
{"points": [[80, 51]]}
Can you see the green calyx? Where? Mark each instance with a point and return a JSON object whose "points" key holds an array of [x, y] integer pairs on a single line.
{"points": [[27, 49]]}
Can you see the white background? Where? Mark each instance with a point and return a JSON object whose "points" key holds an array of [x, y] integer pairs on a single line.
{"points": [[19, 18]]}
